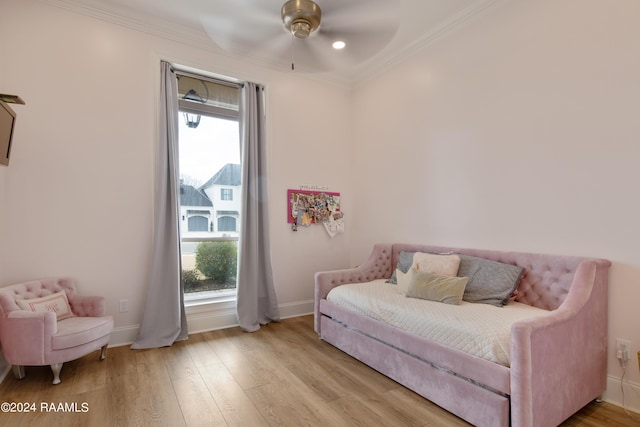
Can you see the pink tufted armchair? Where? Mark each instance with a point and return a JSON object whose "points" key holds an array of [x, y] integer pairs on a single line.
{"points": [[37, 326]]}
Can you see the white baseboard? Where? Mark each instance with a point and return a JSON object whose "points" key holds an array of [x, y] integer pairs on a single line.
{"points": [[295, 309], [124, 335], [210, 317], [614, 395], [225, 317]]}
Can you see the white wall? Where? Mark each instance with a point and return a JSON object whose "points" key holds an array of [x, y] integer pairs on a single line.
{"points": [[518, 131], [76, 199]]}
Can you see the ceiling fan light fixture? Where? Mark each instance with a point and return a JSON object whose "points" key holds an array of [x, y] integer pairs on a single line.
{"points": [[301, 17], [300, 29]]}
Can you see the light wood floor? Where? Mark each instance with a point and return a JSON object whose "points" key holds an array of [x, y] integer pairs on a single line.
{"points": [[282, 375]]}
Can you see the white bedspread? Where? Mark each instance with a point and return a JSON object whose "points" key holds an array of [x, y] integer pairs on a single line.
{"points": [[482, 330]]}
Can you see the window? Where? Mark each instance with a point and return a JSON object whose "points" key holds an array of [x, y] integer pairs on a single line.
{"points": [[227, 223], [209, 145], [226, 194], [198, 223]]}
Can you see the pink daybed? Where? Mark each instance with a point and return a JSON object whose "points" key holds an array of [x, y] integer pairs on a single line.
{"points": [[557, 358]]}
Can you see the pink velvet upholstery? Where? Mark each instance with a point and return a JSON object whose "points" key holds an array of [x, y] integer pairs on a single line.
{"points": [[34, 339], [558, 361]]}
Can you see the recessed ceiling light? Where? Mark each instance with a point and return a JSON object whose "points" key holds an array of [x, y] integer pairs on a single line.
{"points": [[339, 45]]}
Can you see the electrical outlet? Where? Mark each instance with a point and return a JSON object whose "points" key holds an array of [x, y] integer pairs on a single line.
{"points": [[124, 305], [622, 351]]}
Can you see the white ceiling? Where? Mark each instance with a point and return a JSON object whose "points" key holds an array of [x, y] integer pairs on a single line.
{"points": [[378, 32]]}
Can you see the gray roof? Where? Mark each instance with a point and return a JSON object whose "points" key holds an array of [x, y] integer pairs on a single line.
{"points": [[190, 196], [229, 174]]}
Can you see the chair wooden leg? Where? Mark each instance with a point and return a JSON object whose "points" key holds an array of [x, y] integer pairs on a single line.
{"points": [[103, 352], [18, 371], [56, 368]]}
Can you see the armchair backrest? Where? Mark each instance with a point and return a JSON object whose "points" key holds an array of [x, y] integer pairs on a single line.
{"points": [[34, 289]]}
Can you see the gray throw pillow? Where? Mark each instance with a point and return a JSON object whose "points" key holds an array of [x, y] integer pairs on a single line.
{"points": [[490, 282], [405, 261]]}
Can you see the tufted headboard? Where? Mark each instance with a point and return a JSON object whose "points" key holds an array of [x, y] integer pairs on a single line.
{"points": [[34, 289], [546, 279]]}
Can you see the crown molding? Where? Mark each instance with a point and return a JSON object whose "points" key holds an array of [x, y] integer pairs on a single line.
{"points": [[141, 23]]}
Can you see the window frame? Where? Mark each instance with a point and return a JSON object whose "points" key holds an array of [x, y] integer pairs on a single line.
{"points": [[197, 299]]}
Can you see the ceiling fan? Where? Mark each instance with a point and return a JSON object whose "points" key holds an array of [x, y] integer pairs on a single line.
{"points": [[304, 31], [301, 17]]}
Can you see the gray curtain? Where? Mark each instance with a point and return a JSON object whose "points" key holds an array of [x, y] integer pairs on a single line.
{"points": [[164, 319], [256, 304]]}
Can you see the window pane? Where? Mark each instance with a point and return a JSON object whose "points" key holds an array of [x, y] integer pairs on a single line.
{"points": [[209, 174], [226, 194], [227, 223], [198, 223]]}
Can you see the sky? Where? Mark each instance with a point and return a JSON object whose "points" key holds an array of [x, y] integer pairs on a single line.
{"points": [[207, 148]]}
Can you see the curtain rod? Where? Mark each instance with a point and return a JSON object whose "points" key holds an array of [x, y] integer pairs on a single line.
{"points": [[207, 78]]}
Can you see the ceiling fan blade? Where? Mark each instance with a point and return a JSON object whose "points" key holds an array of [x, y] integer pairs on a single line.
{"points": [[229, 35], [365, 34], [238, 26], [310, 57]]}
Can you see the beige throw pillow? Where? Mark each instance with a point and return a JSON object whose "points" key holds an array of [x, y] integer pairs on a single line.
{"points": [[444, 265], [57, 303], [435, 287]]}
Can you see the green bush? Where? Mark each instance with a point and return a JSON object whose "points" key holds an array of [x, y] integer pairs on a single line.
{"points": [[217, 260], [190, 279]]}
